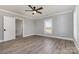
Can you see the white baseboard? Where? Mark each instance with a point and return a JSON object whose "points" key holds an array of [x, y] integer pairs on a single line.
{"points": [[1, 40], [28, 35], [14, 39], [64, 38], [5, 40]]}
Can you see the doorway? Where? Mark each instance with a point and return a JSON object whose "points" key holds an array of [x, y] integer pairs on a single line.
{"points": [[19, 28]]}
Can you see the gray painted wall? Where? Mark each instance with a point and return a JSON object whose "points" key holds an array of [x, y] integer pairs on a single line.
{"points": [[28, 27], [62, 26], [1, 27]]}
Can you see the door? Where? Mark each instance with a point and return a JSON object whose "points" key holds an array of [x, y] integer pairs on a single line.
{"points": [[9, 28]]}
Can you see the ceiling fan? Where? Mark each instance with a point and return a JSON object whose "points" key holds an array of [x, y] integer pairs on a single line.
{"points": [[34, 10]]}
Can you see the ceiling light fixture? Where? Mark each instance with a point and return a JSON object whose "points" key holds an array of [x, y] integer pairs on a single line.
{"points": [[34, 12]]}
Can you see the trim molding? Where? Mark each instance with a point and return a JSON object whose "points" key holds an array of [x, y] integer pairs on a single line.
{"points": [[64, 12], [1, 41], [6, 11], [5, 40], [15, 39], [55, 14], [28, 35], [64, 38]]}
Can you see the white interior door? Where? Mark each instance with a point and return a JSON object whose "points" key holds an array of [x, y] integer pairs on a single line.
{"points": [[9, 28]]}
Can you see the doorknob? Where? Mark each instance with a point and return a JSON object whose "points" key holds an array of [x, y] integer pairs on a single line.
{"points": [[4, 29]]}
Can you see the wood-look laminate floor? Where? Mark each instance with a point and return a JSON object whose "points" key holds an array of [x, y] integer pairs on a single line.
{"points": [[38, 45]]}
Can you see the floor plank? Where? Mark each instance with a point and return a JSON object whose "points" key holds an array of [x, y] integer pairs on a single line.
{"points": [[38, 45]]}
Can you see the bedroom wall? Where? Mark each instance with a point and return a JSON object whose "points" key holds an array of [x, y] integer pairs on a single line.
{"points": [[28, 27], [62, 26], [1, 27]]}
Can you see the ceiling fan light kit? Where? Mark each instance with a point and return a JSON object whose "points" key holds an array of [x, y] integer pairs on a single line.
{"points": [[34, 12]]}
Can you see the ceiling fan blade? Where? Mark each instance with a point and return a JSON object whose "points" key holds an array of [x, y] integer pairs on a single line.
{"points": [[28, 10], [39, 8], [34, 8], [30, 7], [39, 12]]}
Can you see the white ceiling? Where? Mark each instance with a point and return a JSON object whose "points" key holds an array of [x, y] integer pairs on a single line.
{"points": [[47, 10]]}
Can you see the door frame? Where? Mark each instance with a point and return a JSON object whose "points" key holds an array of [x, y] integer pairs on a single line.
{"points": [[22, 24]]}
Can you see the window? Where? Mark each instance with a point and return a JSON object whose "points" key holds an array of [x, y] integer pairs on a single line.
{"points": [[48, 26]]}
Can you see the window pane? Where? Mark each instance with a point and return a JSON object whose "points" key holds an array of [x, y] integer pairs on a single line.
{"points": [[48, 26]]}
